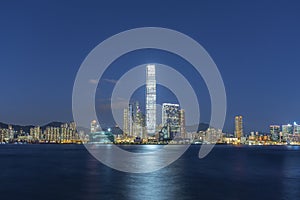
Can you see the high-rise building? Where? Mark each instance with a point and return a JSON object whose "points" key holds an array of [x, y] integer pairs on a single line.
{"points": [[213, 135], [94, 126], [296, 130], [275, 132], [125, 122], [238, 127], [130, 120], [287, 129], [150, 100], [182, 124], [133, 121], [171, 119], [63, 132], [35, 133], [138, 121], [1, 136], [72, 126], [11, 132]]}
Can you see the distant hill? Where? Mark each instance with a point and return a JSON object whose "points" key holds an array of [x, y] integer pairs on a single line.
{"points": [[199, 127], [27, 128], [17, 127], [53, 124]]}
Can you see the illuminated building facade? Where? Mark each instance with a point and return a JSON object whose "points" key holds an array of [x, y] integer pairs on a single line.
{"points": [[238, 127], [134, 121], [94, 126], [212, 135], [275, 132], [171, 119], [296, 130], [150, 100], [35, 133], [182, 124], [287, 129], [125, 122], [138, 121], [130, 120]]}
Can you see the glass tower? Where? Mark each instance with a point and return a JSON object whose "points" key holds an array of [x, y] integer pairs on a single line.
{"points": [[171, 119], [150, 100]]}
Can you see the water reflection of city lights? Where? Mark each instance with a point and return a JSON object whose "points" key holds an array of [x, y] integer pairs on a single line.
{"points": [[293, 147]]}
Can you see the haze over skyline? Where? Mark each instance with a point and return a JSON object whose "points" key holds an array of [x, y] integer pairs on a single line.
{"points": [[255, 45]]}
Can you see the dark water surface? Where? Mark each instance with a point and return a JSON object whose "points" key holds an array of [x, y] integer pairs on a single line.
{"points": [[63, 172]]}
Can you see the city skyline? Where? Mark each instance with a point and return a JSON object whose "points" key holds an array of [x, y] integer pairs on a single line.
{"points": [[243, 39], [171, 131], [149, 99]]}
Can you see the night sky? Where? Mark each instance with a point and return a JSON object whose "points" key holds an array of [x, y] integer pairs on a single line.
{"points": [[255, 44]]}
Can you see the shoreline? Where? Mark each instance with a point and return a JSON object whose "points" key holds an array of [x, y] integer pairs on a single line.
{"points": [[129, 144]]}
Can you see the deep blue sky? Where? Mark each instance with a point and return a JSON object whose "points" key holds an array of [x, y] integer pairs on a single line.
{"points": [[255, 44]]}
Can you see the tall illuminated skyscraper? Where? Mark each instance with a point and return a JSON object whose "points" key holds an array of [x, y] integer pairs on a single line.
{"points": [[238, 127], [150, 100]]}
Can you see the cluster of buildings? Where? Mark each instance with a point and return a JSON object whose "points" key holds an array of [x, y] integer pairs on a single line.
{"points": [[8, 134], [289, 133], [141, 128], [134, 123], [65, 134], [278, 135], [135, 126], [172, 130]]}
